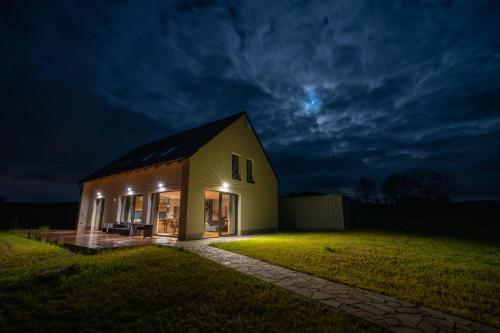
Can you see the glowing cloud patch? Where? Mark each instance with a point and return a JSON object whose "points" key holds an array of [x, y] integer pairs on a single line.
{"points": [[313, 102]]}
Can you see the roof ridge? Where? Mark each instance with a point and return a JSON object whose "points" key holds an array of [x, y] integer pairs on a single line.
{"points": [[210, 123]]}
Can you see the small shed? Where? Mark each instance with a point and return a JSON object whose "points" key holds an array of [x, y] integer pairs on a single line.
{"points": [[318, 212]]}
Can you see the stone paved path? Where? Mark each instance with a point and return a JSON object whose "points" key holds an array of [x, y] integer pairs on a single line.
{"points": [[390, 313]]}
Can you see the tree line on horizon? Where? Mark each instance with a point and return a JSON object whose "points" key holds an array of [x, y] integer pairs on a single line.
{"points": [[416, 185]]}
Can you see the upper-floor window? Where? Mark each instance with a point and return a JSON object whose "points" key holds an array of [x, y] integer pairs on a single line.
{"points": [[250, 171], [236, 167]]}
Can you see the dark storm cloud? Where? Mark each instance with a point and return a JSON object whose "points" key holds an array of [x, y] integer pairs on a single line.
{"points": [[336, 89]]}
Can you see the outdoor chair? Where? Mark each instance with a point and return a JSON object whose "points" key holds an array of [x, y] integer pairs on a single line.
{"points": [[146, 230], [106, 227]]}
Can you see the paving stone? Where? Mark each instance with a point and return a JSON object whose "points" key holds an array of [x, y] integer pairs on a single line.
{"points": [[376, 320], [304, 284], [393, 304], [384, 307], [405, 329], [320, 295], [331, 302], [254, 268], [243, 270], [428, 328], [405, 310], [370, 308], [285, 283], [445, 316], [376, 296], [335, 288], [264, 274], [355, 311], [279, 277], [267, 279], [302, 291], [412, 319], [299, 280], [392, 321], [374, 299], [362, 297], [349, 300], [442, 324], [318, 284], [483, 328]]}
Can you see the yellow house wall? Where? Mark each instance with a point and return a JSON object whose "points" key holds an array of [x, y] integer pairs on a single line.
{"points": [[211, 166], [142, 181]]}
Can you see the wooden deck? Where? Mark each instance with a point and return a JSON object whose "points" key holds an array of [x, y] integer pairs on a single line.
{"points": [[95, 241]]}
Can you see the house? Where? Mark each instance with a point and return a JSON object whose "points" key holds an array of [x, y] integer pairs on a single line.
{"points": [[209, 181]]}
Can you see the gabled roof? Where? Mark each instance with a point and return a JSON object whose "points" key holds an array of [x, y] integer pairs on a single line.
{"points": [[172, 148]]}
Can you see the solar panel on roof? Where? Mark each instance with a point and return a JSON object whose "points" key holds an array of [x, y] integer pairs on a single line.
{"points": [[149, 156], [125, 163], [168, 151]]}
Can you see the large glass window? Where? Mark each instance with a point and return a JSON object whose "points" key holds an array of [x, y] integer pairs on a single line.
{"points": [[236, 166], [165, 211], [132, 208]]}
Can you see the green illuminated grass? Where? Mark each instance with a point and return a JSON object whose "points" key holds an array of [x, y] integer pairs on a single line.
{"points": [[457, 276], [145, 289]]}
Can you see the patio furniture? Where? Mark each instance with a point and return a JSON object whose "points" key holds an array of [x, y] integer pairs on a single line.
{"points": [[106, 227], [164, 224], [146, 230], [120, 228], [129, 229], [174, 224]]}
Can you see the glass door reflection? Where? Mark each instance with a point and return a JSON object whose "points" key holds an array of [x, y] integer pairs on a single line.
{"points": [[221, 214]]}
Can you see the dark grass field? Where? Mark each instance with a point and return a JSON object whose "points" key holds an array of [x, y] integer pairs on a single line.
{"points": [[47, 288], [450, 265]]}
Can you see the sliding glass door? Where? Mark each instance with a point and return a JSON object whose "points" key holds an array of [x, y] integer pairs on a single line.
{"points": [[221, 215]]}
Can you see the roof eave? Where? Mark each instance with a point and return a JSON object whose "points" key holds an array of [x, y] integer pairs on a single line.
{"points": [[90, 178]]}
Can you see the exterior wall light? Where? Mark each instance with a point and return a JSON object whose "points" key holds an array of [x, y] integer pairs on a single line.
{"points": [[225, 185], [161, 185], [99, 194]]}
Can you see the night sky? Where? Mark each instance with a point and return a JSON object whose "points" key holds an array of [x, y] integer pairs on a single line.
{"points": [[335, 89]]}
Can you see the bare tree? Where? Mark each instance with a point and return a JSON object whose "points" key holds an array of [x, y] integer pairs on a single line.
{"points": [[433, 184], [397, 186], [365, 188]]}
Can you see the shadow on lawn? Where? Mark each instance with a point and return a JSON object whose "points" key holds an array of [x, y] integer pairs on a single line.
{"points": [[477, 221], [430, 226]]}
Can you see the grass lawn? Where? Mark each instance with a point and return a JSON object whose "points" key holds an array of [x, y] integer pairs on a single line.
{"points": [[47, 288], [455, 275]]}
